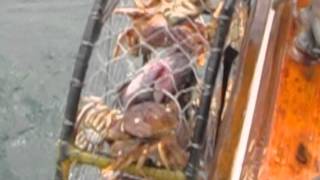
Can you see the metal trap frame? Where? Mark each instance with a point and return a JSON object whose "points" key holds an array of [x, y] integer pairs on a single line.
{"points": [[67, 153]]}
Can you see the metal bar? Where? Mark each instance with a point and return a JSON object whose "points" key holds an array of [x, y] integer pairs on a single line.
{"points": [[211, 72], [91, 34]]}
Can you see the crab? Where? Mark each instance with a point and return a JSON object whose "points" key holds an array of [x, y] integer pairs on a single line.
{"points": [[150, 29], [152, 130], [180, 10], [145, 132], [93, 120], [170, 74], [177, 11]]}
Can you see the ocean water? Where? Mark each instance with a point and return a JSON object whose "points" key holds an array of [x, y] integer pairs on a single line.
{"points": [[38, 43]]}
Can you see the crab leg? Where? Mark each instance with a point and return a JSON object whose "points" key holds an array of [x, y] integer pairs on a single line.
{"points": [[130, 39], [163, 156], [133, 13], [83, 112], [177, 154], [91, 138]]}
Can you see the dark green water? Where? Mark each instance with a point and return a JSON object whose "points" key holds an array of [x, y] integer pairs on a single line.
{"points": [[38, 43]]}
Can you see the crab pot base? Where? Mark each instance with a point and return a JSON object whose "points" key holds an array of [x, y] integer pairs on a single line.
{"points": [[73, 155]]}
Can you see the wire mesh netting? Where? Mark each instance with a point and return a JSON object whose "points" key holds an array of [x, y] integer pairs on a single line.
{"points": [[142, 90]]}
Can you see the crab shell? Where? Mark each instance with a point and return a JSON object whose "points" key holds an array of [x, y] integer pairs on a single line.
{"points": [[149, 120]]}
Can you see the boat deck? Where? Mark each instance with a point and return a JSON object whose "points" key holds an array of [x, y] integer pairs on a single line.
{"points": [[284, 130], [291, 144]]}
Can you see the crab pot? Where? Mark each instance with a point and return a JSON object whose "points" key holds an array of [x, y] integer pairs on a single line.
{"points": [[142, 69]]}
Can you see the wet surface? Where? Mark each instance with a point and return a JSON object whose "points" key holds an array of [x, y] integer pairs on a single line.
{"points": [[38, 43], [290, 122]]}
